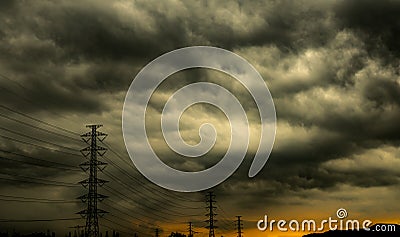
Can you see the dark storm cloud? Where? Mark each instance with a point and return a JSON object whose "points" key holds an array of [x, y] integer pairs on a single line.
{"points": [[383, 92], [96, 34], [6, 5], [289, 26], [376, 21], [41, 92], [50, 75], [100, 33], [54, 36], [346, 106]]}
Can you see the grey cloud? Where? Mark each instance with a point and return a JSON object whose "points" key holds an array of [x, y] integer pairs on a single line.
{"points": [[376, 20]]}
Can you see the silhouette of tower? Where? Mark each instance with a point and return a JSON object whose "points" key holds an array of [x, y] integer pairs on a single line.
{"points": [[239, 226], [211, 214], [190, 229], [157, 234], [92, 165]]}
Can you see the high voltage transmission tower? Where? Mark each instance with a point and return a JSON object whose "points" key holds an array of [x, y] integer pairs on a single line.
{"points": [[211, 214], [92, 165], [157, 233], [190, 229], [239, 226]]}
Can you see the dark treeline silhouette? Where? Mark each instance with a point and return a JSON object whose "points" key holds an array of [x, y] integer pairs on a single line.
{"points": [[34, 234], [391, 231], [53, 234], [176, 234]]}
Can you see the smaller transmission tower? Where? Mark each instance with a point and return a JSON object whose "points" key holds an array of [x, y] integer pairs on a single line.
{"points": [[190, 229], [92, 165], [210, 199], [239, 225], [157, 232]]}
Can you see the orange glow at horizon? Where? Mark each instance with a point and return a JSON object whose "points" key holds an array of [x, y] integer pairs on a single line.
{"points": [[252, 231]]}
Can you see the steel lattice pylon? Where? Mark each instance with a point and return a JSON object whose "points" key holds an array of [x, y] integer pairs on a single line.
{"points": [[239, 226], [211, 214], [92, 165]]}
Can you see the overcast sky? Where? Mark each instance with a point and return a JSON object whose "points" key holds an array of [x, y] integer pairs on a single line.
{"points": [[332, 68]]}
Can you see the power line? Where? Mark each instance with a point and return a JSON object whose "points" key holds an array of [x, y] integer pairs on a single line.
{"points": [[38, 200], [40, 181], [36, 139], [39, 128], [116, 223], [40, 121], [124, 197], [35, 182], [125, 221], [123, 212], [111, 228], [130, 216], [137, 192], [143, 185], [31, 201], [24, 135], [34, 158], [18, 96], [48, 124], [34, 103], [177, 197], [66, 130], [225, 220], [39, 146], [57, 166], [13, 81], [43, 202], [39, 220], [146, 214], [75, 154]]}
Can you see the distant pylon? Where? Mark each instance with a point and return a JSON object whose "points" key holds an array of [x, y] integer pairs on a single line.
{"points": [[157, 234], [92, 213], [190, 229], [77, 232], [211, 214], [239, 226]]}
